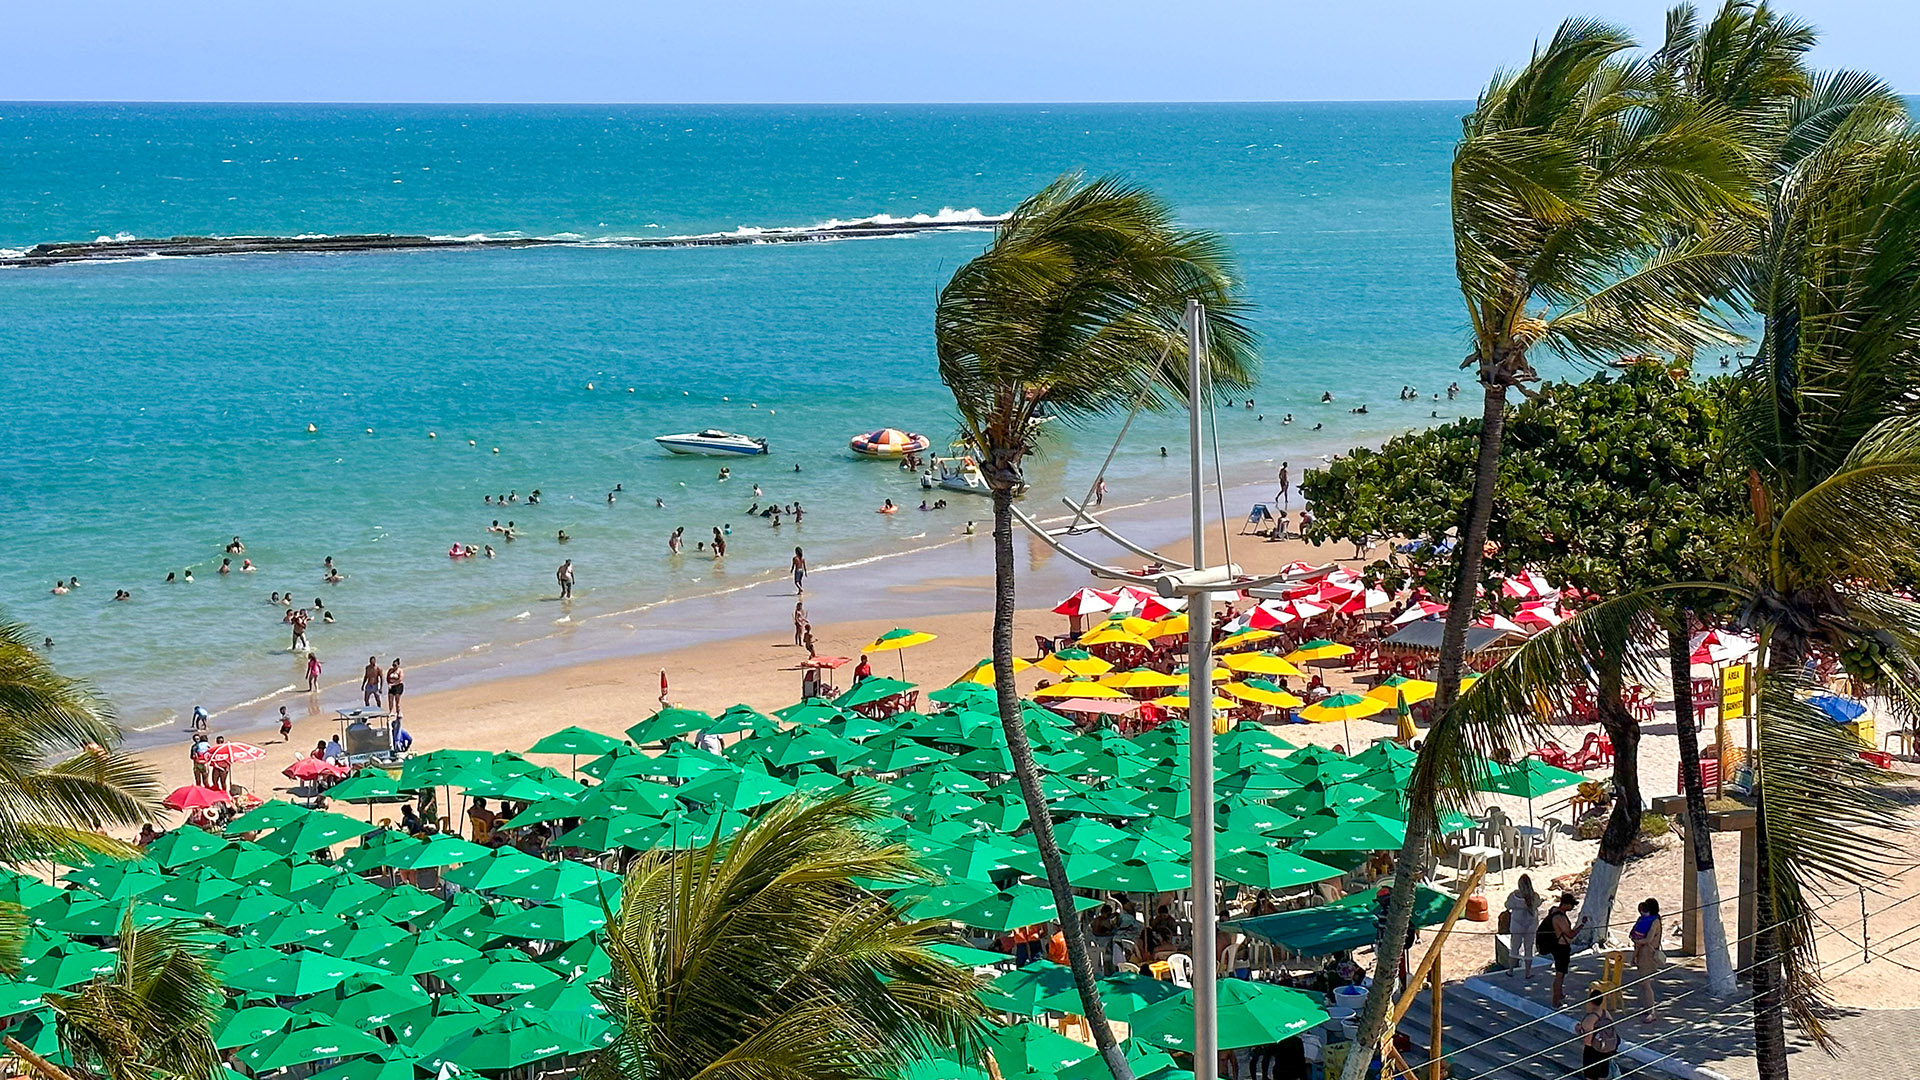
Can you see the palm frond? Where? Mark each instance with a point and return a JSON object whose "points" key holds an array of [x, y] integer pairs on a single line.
{"points": [[1863, 520]]}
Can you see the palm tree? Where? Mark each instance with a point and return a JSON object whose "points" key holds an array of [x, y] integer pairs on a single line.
{"points": [[151, 1017], [1824, 433], [1075, 311], [1590, 214], [760, 958]]}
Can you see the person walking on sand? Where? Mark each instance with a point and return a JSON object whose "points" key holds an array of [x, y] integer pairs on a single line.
{"points": [[1646, 936], [564, 576], [371, 683], [313, 673], [1099, 491], [799, 566], [799, 622], [197, 754], [396, 685], [286, 725], [1523, 927], [1285, 497], [219, 765]]}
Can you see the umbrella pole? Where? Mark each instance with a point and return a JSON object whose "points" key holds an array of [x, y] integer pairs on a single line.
{"points": [[1206, 1053]]}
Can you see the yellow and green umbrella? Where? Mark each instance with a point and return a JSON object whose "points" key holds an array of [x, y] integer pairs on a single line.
{"points": [[1113, 636], [1260, 664], [897, 639], [1073, 662], [1319, 649], [1342, 707], [1142, 679], [981, 674], [1261, 692], [1244, 637], [1395, 687]]}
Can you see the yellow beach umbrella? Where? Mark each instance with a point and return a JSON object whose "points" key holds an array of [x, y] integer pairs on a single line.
{"points": [[1414, 690], [1179, 701], [1260, 664], [1076, 688], [1244, 637], [1080, 663], [1320, 649], [982, 672], [1342, 707], [1113, 636], [1142, 678], [1170, 626], [1278, 699], [897, 639]]}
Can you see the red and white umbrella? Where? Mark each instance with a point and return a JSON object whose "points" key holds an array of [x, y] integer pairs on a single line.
{"points": [[1129, 599], [1364, 600], [1303, 571], [1421, 609], [1086, 602], [1720, 647], [312, 768], [1529, 585], [1540, 615], [1155, 608], [1493, 620], [195, 797], [229, 753]]}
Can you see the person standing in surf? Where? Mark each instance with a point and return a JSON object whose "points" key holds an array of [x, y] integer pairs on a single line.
{"points": [[564, 576], [799, 571]]}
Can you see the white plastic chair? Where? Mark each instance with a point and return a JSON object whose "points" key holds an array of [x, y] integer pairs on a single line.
{"points": [[1180, 968]]}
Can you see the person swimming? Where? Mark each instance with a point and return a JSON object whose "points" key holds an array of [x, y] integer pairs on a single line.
{"points": [[246, 566], [489, 551], [564, 537], [226, 566], [1326, 398], [235, 547], [888, 508]]}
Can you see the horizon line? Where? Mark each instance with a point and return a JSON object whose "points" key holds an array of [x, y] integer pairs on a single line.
{"points": [[733, 104]]}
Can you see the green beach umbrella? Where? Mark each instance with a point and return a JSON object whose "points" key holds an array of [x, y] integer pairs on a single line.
{"points": [[27, 892], [963, 693], [943, 779], [246, 907], [369, 935], [1099, 804], [558, 880], [748, 789], [192, 892], [870, 690], [604, 833], [1123, 995], [393, 1063], [271, 814], [68, 966], [289, 876], [1144, 1059], [468, 923], [500, 867], [324, 1039], [743, 718], [1362, 832], [803, 746], [610, 763], [250, 1025], [811, 710], [425, 955], [1159, 876], [340, 894], [368, 785], [317, 830], [567, 1007], [498, 976], [669, 723], [681, 761], [1020, 990], [935, 806], [1086, 834], [448, 1016], [563, 920], [19, 997], [627, 795], [1250, 1014], [368, 1009], [298, 974], [1079, 865], [575, 741], [442, 850], [104, 919], [1385, 752], [1304, 828], [436, 768], [183, 845], [940, 901], [1529, 778], [1002, 811], [1010, 909], [525, 789], [967, 955], [296, 925], [1032, 1049], [1318, 798], [240, 861], [40, 1034], [506, 1042], [854, 727], [405, 904], [895, 754], [374, 850], [118, 881], [1273, 868]]}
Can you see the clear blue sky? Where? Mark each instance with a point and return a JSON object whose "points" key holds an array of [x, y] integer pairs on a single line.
{"points": [[829, 50]]}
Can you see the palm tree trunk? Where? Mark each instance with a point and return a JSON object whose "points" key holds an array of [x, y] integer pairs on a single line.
{"points": [[1027, 772], [1469, 548], [1623, 824], [1713, 930], [1785, 652]]}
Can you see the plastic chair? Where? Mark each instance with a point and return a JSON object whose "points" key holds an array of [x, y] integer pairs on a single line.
{"points": [[1180, 969]]}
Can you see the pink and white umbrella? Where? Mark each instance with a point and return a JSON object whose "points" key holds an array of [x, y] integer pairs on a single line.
{"points": [[1541, 615], [1720, 647], [1529, 585], [1155, 608], [1421, 609], [312, 768], [1129, 599], [1364, 600], [228, 753], [1086, 602]]}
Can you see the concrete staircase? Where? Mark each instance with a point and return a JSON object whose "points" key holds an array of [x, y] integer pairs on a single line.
{"points": [[1484, 1040]]}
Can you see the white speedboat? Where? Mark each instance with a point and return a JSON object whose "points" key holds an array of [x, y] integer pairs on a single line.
{"points": [[962, 477], [713, 443]]}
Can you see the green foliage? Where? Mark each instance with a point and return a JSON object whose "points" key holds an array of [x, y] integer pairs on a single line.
{"points": [[1653, 826], [152, 1016], [761, 959], [1615, 483]]}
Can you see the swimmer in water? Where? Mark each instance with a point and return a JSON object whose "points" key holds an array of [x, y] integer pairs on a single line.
{"points": [[725, 473], [226, 566], [1163, 453], [887, 507], [488, 499], [564, 537], [1287, 419], [1326, 398], [796, 465], [170, 577], [246, 566], [609, 498], [187, 575], [1317, 427], [235, 547], [659, 503], [59, 587], [334, 577], [122, 594], [533, 497], [489, 551], [756, 491]]}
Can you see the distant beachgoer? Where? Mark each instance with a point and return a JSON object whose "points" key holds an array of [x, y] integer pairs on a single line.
{"points": [[313, 674], [226, 566], [488, 499], [798, 512], [1163, 451], [1285, 497], [1646, 936], [286, 725], [299, 620], [533, 497], [796, 465], [969, 528], [218, 767], [609, 498], [187, 575], [1523, 927], [122, 594], [1599, 1035], [888, 508], [799, 567], [334, 577], [371, 684], [863, 670], [197, 754], [676, 541], [396, 685], [319, 750], [235, 547], [799, 620], [246, 566], [563, 537], [564, 576], [1099, 491], [1556, 935], [1287, 419], [489, 551], [659, 503], [59, 587], [1318, 427], [806, 639], [719, 544]]}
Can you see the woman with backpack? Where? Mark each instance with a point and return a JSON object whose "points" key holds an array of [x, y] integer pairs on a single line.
{"points": [[1599, 1036]]}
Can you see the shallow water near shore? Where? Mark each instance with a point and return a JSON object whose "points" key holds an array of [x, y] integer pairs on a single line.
{"points": [[155, 408]]}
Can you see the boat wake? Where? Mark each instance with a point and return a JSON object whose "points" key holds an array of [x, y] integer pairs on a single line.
{"points": [[123, 246]]}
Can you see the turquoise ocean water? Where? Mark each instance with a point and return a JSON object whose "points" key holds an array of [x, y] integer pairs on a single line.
{"points": [[154, 408]]}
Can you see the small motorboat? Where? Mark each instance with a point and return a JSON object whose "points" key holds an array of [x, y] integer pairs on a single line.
{"points": [[962, 476], [889, 443], [713, 443]]}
